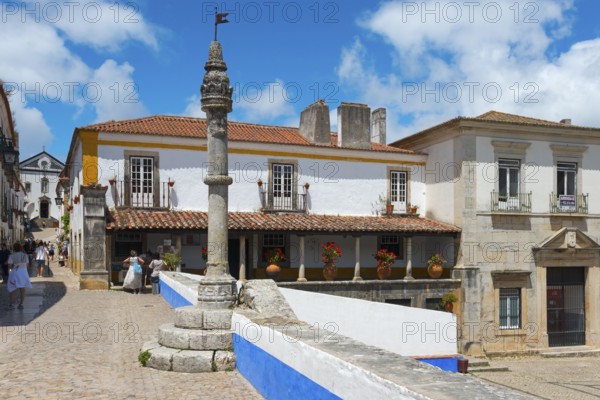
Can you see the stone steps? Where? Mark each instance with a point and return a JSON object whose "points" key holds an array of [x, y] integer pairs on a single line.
{"points": [[192, 361], [582, 351], [194, 339], [482, 365]]}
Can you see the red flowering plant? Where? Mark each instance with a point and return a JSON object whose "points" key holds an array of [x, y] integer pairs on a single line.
{"points": [[436, 259], [384, 258], [204, 254], [330, 252], [274, 256]]}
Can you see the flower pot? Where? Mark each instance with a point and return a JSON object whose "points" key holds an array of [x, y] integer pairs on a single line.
{"points": [[329, 272], [449, 306], [273, 271], [389, 209], [384, 273], [435, 271], [413, 210]]}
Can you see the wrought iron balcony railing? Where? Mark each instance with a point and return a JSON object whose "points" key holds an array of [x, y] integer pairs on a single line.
{"points": [[131, 194], [285, 201], [517, 203], [560, 204]]}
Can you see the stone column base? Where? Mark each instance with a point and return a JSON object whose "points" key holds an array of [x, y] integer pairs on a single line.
{"points": [[93, 280]]}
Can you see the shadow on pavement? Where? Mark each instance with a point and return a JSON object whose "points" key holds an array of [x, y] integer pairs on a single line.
{"points": [[41, 297]]}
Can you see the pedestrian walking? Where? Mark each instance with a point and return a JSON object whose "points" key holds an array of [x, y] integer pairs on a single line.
{"points": [[40, 258], [156, 266], [133, 278], [4, 253], [51, 251], [18, 278]]}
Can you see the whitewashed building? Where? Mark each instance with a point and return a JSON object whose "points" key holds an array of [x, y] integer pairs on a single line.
{"points": [[12, 224], [39, 175], [525, 194], [293, 188]]}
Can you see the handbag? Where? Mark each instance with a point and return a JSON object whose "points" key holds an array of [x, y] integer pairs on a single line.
{"points": [[137, 268]]}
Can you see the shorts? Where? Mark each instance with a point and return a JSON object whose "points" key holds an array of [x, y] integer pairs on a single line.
{"points": [[40, 263]]}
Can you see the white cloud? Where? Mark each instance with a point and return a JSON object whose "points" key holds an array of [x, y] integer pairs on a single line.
{"points": [[29, 122], [444, 69], [193, 107], [259, 102], [113, 92]]}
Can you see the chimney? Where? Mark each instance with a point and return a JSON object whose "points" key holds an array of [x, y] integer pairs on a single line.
{"points": [[566, 121], [354, 126], [378, 126], [314, 123]]}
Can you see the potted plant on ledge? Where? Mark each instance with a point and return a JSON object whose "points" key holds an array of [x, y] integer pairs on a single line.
{"points": [[385, 259], [435, 266], [448, 301], [274, 256], [329, 254]]}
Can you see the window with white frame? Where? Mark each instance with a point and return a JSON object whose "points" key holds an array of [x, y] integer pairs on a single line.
{"points": [[393, 243], [566, 179], [508, 183], [282, 185], [142, 180], [510, 308], [398, 190], [272, 241]]}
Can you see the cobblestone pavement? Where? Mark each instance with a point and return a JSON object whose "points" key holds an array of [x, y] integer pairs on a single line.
{"points": [[68, 344], [550, 378]]}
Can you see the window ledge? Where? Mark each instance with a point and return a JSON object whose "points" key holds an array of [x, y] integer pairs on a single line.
{"points": [[512, 332]]}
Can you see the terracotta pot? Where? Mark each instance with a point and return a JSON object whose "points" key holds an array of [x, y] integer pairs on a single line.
{"points": [[329, 272], [273, 271], [435, 271], [449, 306], [384, 273], [413, 210], [389, 209]]}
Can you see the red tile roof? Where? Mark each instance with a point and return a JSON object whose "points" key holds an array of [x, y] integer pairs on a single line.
{"points": [[170, 125], [496, 116], [140, 219]]}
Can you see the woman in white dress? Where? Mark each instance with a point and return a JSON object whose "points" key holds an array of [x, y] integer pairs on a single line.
{"points": [[18, 277], [133, 280]]}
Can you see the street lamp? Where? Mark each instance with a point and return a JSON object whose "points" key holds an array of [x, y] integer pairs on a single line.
{"points": [[59, 201], [9, 154]]}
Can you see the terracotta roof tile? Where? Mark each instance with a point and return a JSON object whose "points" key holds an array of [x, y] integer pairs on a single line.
{"points": [[170, 125], [497, 116], [134, 219]]}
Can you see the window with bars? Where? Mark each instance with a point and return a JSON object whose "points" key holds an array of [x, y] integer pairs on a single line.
{"points": [[398, 190], [510, 308], [272, 241], [127, 241], [393, 243]]}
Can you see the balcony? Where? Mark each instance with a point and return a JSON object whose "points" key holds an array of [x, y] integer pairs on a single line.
{"points": [[568, 204], [283, 201], [517, 203], [127, 195]]}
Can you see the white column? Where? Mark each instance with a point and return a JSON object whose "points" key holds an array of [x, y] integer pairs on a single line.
{"points": [[242, 274], [357, 259], [178, 250], [408, 259], [301, 277]]}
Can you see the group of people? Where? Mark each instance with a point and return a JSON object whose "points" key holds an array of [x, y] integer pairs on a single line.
{"points": [[15, 267], [134, 279]]}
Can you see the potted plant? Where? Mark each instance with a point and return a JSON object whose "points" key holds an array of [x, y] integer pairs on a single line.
{"points": [[171, 260], [435, 265], [413, 208], [389, 207], [329, 254], [448, 301], [385, 259], [274, 256]]}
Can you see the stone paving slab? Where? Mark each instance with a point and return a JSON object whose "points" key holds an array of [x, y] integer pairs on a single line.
{"points": [[71, 344]]}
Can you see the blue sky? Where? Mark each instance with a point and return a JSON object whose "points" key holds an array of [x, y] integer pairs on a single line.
{"points": [[73, 64]]}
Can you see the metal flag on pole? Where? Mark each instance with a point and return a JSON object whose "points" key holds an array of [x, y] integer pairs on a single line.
{"points": [[220, 19]]}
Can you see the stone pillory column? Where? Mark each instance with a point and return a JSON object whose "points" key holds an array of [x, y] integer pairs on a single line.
{"points": [[200, 340], [217, 290]]}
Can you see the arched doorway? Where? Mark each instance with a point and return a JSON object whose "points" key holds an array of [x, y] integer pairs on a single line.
{"points": [[44, 209]]}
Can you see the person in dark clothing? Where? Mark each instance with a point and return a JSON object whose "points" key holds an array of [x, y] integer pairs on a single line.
{"points": [[4, 253]]}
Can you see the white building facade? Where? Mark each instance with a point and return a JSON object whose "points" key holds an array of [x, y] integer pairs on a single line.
{"points": [[291, 190], [39, 175], [524, 193]]}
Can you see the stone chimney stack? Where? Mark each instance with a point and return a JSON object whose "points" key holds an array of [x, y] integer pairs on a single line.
{"points": [[378, 126], [354, 126], [314, 123], [566, 121]]}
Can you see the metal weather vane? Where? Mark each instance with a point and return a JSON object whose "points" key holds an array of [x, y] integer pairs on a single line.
{"points": [[220, 18]]}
